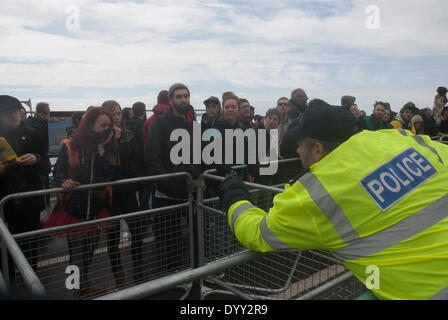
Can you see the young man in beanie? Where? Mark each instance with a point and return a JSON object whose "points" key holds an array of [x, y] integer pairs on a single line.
{"points": [[158, 162], [22, 215]]}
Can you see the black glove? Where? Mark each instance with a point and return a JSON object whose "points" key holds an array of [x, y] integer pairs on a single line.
{"points": [[231, 190]]}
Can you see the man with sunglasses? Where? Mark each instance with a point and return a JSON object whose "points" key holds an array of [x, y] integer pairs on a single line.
{"points": [[283, 106]]}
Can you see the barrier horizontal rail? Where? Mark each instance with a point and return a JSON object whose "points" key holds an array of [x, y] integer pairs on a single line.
{"points": [[156, 286], [89, 186]]}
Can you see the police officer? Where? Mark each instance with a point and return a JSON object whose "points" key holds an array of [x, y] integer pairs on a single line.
{"points": [[371, 199]]}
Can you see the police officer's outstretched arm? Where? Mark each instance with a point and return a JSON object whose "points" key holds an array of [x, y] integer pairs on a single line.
{"points": [[288, 225]]}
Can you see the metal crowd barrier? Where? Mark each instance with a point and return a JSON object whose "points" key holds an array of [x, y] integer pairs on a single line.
{"points": [[273, 276], [161, 243], [222, 266]]}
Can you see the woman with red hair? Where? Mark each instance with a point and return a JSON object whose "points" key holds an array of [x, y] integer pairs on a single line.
{"points": [[85, 158]]}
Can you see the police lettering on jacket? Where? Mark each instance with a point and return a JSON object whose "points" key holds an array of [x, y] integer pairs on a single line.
{"points": [[396, 178]]}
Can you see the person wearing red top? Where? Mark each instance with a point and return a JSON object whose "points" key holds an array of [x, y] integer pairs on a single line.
{"points": [[163, 104]]}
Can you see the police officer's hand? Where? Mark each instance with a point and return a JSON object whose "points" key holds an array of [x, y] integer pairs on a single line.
{"points": [[231, 190], [232, 181]]}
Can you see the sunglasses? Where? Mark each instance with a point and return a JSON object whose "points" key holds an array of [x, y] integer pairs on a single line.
{"points": [[283, 104]]}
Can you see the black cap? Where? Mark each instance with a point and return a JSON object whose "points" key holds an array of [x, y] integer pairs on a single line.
{"points": [[326, 123], [8, 103], [212, 100]]}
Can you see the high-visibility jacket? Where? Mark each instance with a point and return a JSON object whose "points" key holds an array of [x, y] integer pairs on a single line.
{"points": [[379, 199]]}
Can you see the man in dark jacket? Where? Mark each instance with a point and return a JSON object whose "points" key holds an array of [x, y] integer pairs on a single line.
{"points": [[22, 215], [212, 112], [135, 125], [40, 122], [157, 155], [158, 162], [429, 123], [245, 115], [299, 102]]}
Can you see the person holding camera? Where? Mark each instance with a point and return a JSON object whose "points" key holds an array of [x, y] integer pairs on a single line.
{"points": [[88, 157]]}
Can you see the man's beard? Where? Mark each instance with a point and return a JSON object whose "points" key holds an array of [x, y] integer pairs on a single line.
{"points": [[181, 108]]}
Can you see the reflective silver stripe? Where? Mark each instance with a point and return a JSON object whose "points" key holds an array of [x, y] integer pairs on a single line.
{"points": [[270, 238], [422, 142], [329, 207], [405, 229], [238, 211], [442, 295]]}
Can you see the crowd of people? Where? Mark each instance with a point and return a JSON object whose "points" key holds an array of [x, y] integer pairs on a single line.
{"points": [[109, 143]]}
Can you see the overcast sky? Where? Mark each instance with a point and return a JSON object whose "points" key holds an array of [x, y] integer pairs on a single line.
{"points": [[396, 51]]}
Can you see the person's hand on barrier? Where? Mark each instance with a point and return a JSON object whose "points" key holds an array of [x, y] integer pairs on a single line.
{"points": [[70, 184]]}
